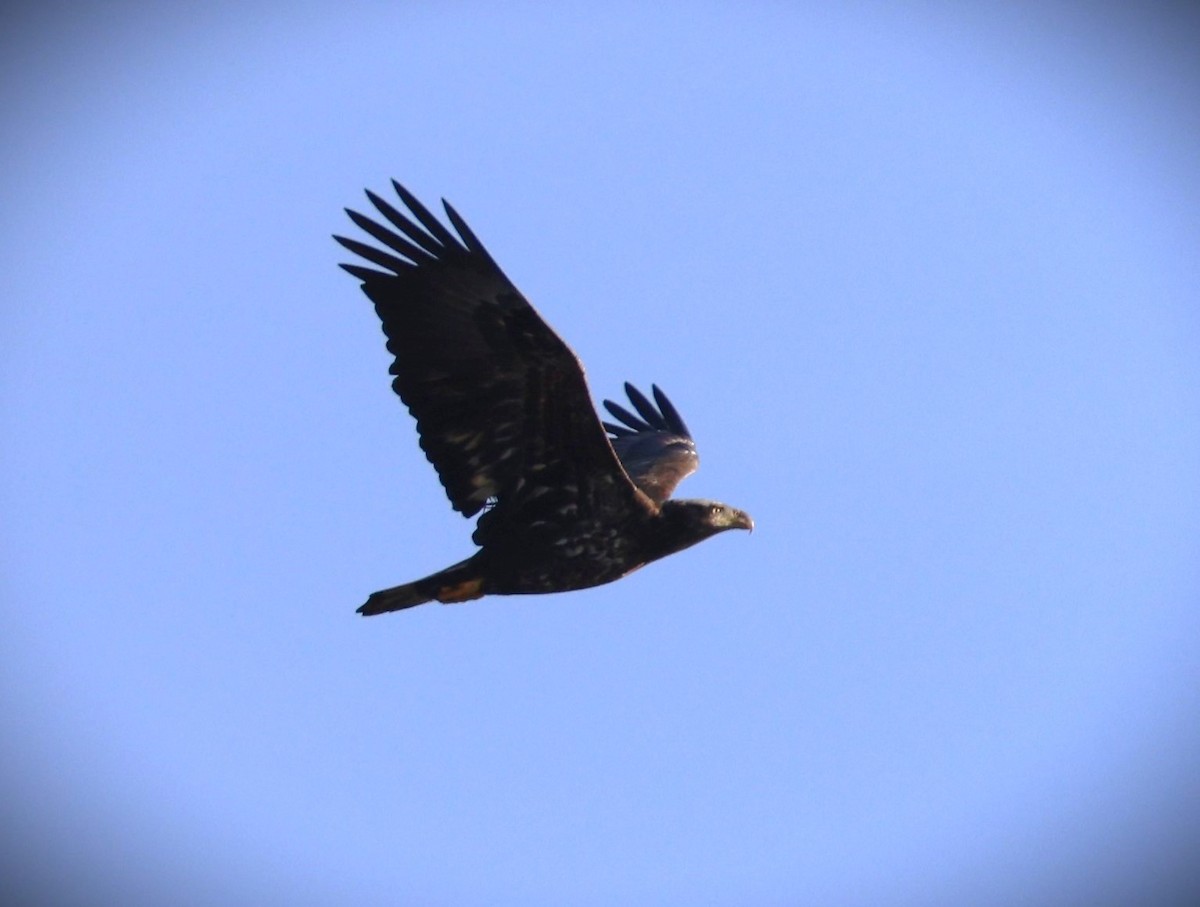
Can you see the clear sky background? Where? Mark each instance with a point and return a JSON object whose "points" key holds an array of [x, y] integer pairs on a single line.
{"points": [[924, 280]]}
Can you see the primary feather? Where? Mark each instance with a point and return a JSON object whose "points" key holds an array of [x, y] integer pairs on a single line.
{"points": [[655, 446], [504, 415]]}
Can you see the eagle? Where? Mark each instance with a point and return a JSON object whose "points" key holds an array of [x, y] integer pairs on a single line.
{"points": [[565, 501]]}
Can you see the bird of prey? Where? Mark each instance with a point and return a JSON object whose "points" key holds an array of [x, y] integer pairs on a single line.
{"points": [[504, 415]]}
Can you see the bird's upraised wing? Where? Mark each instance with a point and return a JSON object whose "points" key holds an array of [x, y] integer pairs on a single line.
{"points": [[501, 402], [655, 445]]}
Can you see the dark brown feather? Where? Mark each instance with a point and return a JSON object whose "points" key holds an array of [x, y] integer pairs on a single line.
{"points": [[505, 417], [497, 395], [654, 446]]}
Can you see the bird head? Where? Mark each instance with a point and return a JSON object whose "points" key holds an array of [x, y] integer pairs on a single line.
{"points": [[693, 521]]}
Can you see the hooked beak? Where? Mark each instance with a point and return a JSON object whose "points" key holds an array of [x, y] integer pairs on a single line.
{"points": [[743, 521]]}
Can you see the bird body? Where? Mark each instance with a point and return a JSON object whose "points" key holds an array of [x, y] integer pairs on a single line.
{"points": [[504, 415]]}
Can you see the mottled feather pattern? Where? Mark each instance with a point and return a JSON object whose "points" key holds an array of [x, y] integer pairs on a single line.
{"points": [[504, 415], [655, 445], [471, 356]]}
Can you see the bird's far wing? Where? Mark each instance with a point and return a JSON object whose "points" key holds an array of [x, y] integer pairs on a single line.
{"points": [[654, 445], [501, 402]]}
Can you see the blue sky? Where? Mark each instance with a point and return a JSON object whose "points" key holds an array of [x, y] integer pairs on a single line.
{"points": [[923, 282]]}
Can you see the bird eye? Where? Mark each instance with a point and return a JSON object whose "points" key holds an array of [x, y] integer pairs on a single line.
{"points": [[715, 509]]}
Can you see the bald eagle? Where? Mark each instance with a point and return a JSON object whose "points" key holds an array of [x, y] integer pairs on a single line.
{"points": [[504, 415]]}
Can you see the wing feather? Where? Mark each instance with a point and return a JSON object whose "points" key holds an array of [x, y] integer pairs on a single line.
{"points": [[501, 403], [654, 446], [427, 246], [387, 237], [371, 254], [644, 407], [633, 424], [674, 422]]}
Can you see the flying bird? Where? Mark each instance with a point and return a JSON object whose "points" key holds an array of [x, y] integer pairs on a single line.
{"points": [[566, 501]]}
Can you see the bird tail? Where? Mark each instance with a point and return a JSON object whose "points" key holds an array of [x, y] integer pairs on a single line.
{"points": [[459, 583]]}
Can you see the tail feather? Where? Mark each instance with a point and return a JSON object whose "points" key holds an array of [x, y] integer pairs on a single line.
{"points": [[459, 583], [394, 599]]}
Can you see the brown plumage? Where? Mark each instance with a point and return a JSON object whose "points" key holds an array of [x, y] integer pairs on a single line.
{"points": [[504, 415]]}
